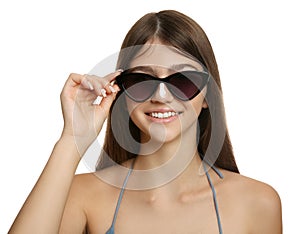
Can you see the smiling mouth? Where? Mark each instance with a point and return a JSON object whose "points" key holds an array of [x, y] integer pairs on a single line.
{"points": [[163, 115]]}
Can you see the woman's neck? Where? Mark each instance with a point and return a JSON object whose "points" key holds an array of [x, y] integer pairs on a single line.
{"points": [[172, 182], [179, 150], [155, 153], [161, 162]]}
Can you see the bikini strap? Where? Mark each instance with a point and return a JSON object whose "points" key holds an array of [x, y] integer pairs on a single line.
{"points": [[218, 172], [112, 227], [214, 193]]}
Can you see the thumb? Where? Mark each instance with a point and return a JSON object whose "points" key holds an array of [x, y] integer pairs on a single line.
{"points": [[102, 110]]}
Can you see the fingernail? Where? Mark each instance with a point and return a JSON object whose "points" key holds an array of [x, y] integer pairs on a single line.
{"points": [[112, 89], [119, 70], [103, 92], [90, 85]]}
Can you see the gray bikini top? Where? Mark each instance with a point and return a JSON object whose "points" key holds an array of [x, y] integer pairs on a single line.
{"points": [[111, 230]]}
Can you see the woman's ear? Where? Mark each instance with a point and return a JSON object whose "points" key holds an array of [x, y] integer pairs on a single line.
{"points": [[204, 104]]}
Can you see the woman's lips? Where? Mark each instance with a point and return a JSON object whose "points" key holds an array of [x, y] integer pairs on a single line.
{"points": [[163, 115]]}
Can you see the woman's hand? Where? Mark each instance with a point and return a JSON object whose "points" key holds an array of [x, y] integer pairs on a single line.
{"points": [[83, 119]]}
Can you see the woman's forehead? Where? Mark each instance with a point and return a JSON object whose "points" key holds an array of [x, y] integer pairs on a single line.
{"points": [[163, 56]]}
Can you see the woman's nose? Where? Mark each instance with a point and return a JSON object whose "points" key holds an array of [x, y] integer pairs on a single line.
{"points": [[162, 94]]}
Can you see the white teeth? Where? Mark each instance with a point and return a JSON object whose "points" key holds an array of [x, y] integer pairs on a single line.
{"points": [[161, 115]]}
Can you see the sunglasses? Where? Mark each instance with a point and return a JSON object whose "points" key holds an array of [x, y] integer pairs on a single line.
{"points": [[183, 85]]}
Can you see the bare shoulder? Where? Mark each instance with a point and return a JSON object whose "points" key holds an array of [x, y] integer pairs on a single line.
{"points": [[91, 201], [88, 188], [260, 201], [84, 181], [92, 183], [253, 188], [102, 186], [83, 185], [74, 219]]}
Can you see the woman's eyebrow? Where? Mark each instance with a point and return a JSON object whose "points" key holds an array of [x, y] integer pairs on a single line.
{"points": [[151, 70], [146, 69], [178, 67]]}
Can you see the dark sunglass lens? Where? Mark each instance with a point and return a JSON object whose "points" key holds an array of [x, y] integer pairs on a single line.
{"points": [[188, 84], [138, 86]]}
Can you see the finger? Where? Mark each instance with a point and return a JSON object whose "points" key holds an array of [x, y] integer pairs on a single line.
{"points": [[103, 86], [94, 84], [116, 87], [112, 89], [106, 103], [109, 79], [74, 79], [86, 83], [109, 88]]}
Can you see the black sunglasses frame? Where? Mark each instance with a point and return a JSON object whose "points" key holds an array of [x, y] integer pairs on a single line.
{"points": [[166, 80]]}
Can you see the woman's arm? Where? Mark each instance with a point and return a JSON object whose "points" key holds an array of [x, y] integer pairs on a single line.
{"points": [[42, 211]]}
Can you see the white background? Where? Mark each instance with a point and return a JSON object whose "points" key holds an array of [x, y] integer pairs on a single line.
{"points": [[256, 44]]}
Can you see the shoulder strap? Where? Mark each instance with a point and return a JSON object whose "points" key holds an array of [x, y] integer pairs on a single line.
{"points": [[112, 227], [214, 193]]}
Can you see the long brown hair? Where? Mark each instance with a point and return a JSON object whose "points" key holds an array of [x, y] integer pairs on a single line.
{"points": [[178, 30]]}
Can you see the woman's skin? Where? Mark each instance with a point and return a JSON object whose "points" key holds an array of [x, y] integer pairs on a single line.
{"points": [[183, 205]]}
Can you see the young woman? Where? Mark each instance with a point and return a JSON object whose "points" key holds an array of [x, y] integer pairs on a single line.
{"points": [[167, 164]]}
